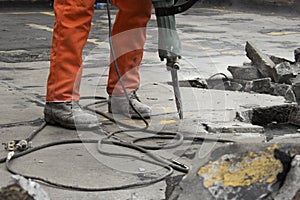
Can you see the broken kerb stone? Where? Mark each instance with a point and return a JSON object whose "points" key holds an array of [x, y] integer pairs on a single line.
{"points": [[263, 63], [262, 85], [244, 72], [234, 127]]}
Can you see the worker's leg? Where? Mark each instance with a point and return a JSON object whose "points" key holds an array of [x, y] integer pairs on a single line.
{"points": [[71, 28], [129, 35]]}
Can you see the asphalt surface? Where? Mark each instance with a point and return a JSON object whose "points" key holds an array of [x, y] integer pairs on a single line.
{"points": [[212, 39]]}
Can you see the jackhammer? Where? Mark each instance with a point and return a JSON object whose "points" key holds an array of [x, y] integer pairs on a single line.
{"points": [[169, 45]]}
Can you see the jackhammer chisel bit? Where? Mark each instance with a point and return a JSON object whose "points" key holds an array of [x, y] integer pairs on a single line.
{"points": [[169, 46], [173, 66]]}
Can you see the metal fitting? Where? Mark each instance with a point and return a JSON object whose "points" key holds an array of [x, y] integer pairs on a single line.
{"points": [[9, 146]]}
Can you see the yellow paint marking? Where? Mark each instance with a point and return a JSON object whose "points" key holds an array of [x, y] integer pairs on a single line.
{"points": [[128, 121], [95, 41], [282, 33], [100, 11], [149, 36], [230, 53], [164, 122], [46, 28], [27, 13], [41, 27], [19, 13], [215, 9], [163, 108], [242, 169], [48, 13]]}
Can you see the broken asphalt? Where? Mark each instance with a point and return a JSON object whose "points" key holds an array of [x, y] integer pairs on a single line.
{"points": [[212, 38]]}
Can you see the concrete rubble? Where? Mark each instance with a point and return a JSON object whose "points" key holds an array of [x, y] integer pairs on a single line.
{"points": [[267, 74]]}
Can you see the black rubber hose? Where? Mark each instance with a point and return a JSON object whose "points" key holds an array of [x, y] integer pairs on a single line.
{"points": [[79, 188], [164, 162]]}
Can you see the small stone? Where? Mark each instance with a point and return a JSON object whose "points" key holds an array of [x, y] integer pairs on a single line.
{"points": [[284, 72], [142, 169], [262, 85], [245, 72]]}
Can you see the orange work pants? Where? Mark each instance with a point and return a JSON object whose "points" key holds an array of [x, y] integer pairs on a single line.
{"points": [[70, 33]]}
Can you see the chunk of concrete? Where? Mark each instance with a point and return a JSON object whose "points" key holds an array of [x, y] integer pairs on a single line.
{"points": [[211, 185], [263, 63], [285, 72], [227, 85], [291, 184], [296, 67], [262, 85], [278, 60], [265, 115], [244, 72], [172, 182], [284, 90], [234, 127], [294, 117]]}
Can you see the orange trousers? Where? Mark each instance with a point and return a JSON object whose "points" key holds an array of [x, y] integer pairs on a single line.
{"points": [[70, 33]]}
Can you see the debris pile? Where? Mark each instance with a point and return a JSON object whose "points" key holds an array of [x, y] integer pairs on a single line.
{"points": [[269, 74]]}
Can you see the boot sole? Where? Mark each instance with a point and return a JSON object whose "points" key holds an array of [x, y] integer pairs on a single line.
{"points": [[71, 126]]}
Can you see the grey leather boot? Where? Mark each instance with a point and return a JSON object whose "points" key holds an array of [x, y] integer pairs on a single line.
{"points": [[69, 115], [119, 105]]}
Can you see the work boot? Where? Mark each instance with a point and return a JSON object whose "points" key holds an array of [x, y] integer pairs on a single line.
{"points": [[69, 115], [118, 104]]}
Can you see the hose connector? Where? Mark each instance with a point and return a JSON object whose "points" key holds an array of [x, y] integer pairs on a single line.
{"points": [[10, 155]]}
